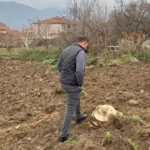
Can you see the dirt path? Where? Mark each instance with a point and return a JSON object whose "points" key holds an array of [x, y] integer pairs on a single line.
{"points": [[31, 113]]}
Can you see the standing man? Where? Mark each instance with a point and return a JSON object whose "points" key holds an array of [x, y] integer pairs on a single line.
{"points": [[71, 66]]}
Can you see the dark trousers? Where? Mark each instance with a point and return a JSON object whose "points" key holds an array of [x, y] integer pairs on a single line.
{"points": [[73, 107]]}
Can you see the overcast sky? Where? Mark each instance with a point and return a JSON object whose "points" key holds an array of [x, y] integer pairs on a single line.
{"points": [[49, 3]]}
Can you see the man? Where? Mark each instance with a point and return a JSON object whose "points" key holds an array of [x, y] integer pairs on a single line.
{"points": [[71, 66]]}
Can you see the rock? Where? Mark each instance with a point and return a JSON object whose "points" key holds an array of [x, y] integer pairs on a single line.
{"points": [[50, 108], [59, 90], [18, 127], [133, 102], [126, 96], [103, 112], [142, 91], [106, 116], [40, 80]]}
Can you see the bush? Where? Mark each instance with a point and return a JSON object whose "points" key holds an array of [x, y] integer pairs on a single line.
{"points": [[125, 59], [142, 54], [126, 46], [52, 59], [92, 60]]}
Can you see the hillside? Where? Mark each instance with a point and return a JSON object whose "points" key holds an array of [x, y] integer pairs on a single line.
{"points": [[2, 24], [17, 15]]}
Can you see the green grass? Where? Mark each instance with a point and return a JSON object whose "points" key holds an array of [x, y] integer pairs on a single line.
{"points": [[52, 59], [106, 139], [48, 58], [142, 54], [106, 58], [71, 141], [137, 119], [125, 59]]}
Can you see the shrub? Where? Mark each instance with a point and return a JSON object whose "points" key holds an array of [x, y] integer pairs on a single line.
{"points": [[52, 59], [142, 54]]}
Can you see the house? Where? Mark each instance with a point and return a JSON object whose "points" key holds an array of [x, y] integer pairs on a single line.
{"points": [[10, 37], [3, 28], [51, 28]]}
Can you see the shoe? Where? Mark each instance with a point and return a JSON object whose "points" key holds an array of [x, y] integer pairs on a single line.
{"points": [[63, 139], [81, 119]]}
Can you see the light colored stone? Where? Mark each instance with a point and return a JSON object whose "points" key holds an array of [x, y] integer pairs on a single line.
{"points": [[41, 80], [103, 112], [142, 91], [133, 102]]}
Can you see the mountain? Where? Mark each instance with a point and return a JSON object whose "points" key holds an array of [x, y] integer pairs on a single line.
{"points": [[18, 15], [51, 11], [2, 24]]}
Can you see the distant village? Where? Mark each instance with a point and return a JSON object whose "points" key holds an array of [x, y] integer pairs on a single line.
{"points": [[105, 30], [43, 29]]}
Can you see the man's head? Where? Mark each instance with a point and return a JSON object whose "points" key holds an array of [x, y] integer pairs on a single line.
{"points": [[84, 42]]}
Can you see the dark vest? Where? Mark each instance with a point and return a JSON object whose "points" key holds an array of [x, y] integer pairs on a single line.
{"points": [[68, 67]]}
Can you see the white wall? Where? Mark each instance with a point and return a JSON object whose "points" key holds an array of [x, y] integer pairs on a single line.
{"points": [[49, 30]]}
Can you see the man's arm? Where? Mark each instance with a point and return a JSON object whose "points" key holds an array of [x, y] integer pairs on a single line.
{"points": [[59, 63], [80, 67]]}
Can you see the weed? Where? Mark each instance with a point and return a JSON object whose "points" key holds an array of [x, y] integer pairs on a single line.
{"points": [[106, 139], [132, 144], [52, 58], [84, 94], [142, 54], [48, 58], [119, 90], [125, 59], [137, 119], [71, 141], [121, 115]]}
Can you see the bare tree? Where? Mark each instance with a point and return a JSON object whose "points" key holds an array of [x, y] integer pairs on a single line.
{"points": [[91, 18], [29, 37], [46, 36], [132, 17], [11, 39]]}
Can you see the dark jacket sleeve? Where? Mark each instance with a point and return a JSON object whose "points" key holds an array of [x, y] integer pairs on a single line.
{"points": [[80, 67]]}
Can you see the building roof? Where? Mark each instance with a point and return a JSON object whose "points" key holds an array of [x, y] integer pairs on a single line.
{"points": [[11, 32], [55, 20], [4, 28]]}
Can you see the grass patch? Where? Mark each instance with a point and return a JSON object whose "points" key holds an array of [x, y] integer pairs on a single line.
{"points": [[125, 59], [121, 115], [48, 58], [137, 119], [106, 139], [71, 141], [142, 54], [52, 59], [106, 58], [32, 55]]}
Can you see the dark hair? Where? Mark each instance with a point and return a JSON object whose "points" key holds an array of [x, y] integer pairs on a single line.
{"points": [[82, 39]]}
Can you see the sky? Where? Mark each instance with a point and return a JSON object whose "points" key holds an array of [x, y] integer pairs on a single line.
{"points": [[40, 4]]}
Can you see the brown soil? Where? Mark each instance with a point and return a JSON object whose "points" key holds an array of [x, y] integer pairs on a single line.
{"points": [[31, 110]]}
